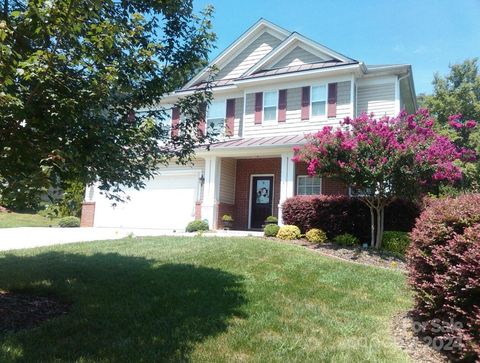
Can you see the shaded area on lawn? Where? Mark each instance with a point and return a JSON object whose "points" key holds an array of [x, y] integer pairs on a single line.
{"points": [[124, 308]]}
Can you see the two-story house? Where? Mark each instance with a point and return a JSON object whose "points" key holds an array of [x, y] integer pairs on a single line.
{"points": [[272, 87]]}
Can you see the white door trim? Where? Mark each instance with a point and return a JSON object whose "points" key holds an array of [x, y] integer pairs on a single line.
{"points": [[250, 195]]}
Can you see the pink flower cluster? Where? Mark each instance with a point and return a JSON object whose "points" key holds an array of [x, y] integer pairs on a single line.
{"points": [[370, 149], [455, 122]]}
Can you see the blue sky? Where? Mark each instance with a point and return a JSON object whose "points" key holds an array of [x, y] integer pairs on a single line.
{"points": [[428, 34]]}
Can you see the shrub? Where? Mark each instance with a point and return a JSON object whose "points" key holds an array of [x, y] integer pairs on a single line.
{"points": [[271, 230], [227, 218], [395, 241], [69, 222], [289, 232], [271, 219], [342, 214], [346, 239], [197, 225], [444, 269], [316, 235]]}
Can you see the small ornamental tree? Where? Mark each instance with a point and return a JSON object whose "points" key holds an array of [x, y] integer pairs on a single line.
{"points": [[382, 159]]}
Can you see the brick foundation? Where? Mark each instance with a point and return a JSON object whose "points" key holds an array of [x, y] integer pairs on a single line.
{"points": [[245, 169], [88, 214], [330, 186]]}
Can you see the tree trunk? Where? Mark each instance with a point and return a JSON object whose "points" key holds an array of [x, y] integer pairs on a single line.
{"points": [[372, 227], [380, 225]]}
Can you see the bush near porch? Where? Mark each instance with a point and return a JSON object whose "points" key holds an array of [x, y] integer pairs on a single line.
{"points": [[342, 214], [444, 269]]}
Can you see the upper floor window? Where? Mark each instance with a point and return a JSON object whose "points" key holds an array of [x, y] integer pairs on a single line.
{"points": [[270, 105], [319, 100], [166, 123], [216, 117], [309, 185]]}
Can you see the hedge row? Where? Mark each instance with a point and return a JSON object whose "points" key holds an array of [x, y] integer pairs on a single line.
{"points": [[444, 270], [341, 214]]}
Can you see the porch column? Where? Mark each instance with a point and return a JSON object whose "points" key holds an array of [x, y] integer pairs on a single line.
{"points": [[211, 190], [287, 181]]}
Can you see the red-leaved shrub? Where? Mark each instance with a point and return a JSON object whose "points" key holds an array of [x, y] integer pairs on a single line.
{"points": [[444, 271], [342, 214]]}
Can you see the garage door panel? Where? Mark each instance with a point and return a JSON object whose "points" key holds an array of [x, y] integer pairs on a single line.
{"points": [[166, 202]]}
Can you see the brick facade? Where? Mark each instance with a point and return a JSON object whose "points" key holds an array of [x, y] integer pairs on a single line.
{"points": [[225, 208], [330, 186], [245, 169], [198, 211], [88, 214]]}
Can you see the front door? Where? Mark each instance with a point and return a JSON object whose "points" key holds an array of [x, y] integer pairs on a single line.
{"points": [[262, 195]]}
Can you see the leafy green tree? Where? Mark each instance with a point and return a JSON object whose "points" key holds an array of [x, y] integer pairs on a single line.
{"points": [[72, 74], [458, 93]]}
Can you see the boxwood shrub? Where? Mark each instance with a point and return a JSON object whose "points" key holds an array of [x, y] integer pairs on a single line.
{"points": [[288, 232], [316, 235], [346, 239], [444, 269], [69, 222], [395, 241], [271, 230], [197, 225], [341, 214]]}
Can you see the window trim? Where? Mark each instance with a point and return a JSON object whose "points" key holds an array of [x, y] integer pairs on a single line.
{"points": [[275, 120], [308, 176], [321, 117], [224, 101]]}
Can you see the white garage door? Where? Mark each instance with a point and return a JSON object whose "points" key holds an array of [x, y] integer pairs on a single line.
{"points": [[167, 202]]}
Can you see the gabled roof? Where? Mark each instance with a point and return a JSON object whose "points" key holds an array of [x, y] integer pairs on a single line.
{"points": [[298, 39], [247, 37], [266, 51]]}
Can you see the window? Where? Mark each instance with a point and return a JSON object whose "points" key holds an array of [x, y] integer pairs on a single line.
{"points": [[356, 192], [216, 117], [270, 104], [309, 185], [166, 123], [318, 101]]}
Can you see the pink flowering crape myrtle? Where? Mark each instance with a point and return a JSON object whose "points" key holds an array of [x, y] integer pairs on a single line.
{"points": [[384, 158]]}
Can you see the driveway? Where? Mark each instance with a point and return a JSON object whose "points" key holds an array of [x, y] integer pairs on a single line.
{"points": [[27, 237]]}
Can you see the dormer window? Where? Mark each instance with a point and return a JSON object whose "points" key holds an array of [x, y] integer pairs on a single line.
{"points": [[318, 101], [270, 105]]}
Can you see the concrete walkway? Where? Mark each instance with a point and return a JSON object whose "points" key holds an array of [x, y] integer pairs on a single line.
{"points": [[28, 237]]}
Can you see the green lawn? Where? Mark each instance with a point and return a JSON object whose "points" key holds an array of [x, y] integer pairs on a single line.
{"points": [[204, 299], [8, 220]]}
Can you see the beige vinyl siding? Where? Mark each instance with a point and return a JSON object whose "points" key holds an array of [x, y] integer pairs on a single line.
{"points": [[227, 180], [294, 124], [296, 57], [249, 56], [376, 98]]}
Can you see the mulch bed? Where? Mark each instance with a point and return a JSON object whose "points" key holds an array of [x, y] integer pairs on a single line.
{"points": [[405, 336], [21, 311], [366, 256]]}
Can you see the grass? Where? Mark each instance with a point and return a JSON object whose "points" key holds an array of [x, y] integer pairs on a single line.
{"points": [[203, 299], [11, 219]]}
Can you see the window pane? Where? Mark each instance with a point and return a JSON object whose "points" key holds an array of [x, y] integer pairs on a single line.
{"points": [[318, 108], [270, 99], [216, 110], [215, 124], [319, 93], [269, 113], [308, 185]]}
